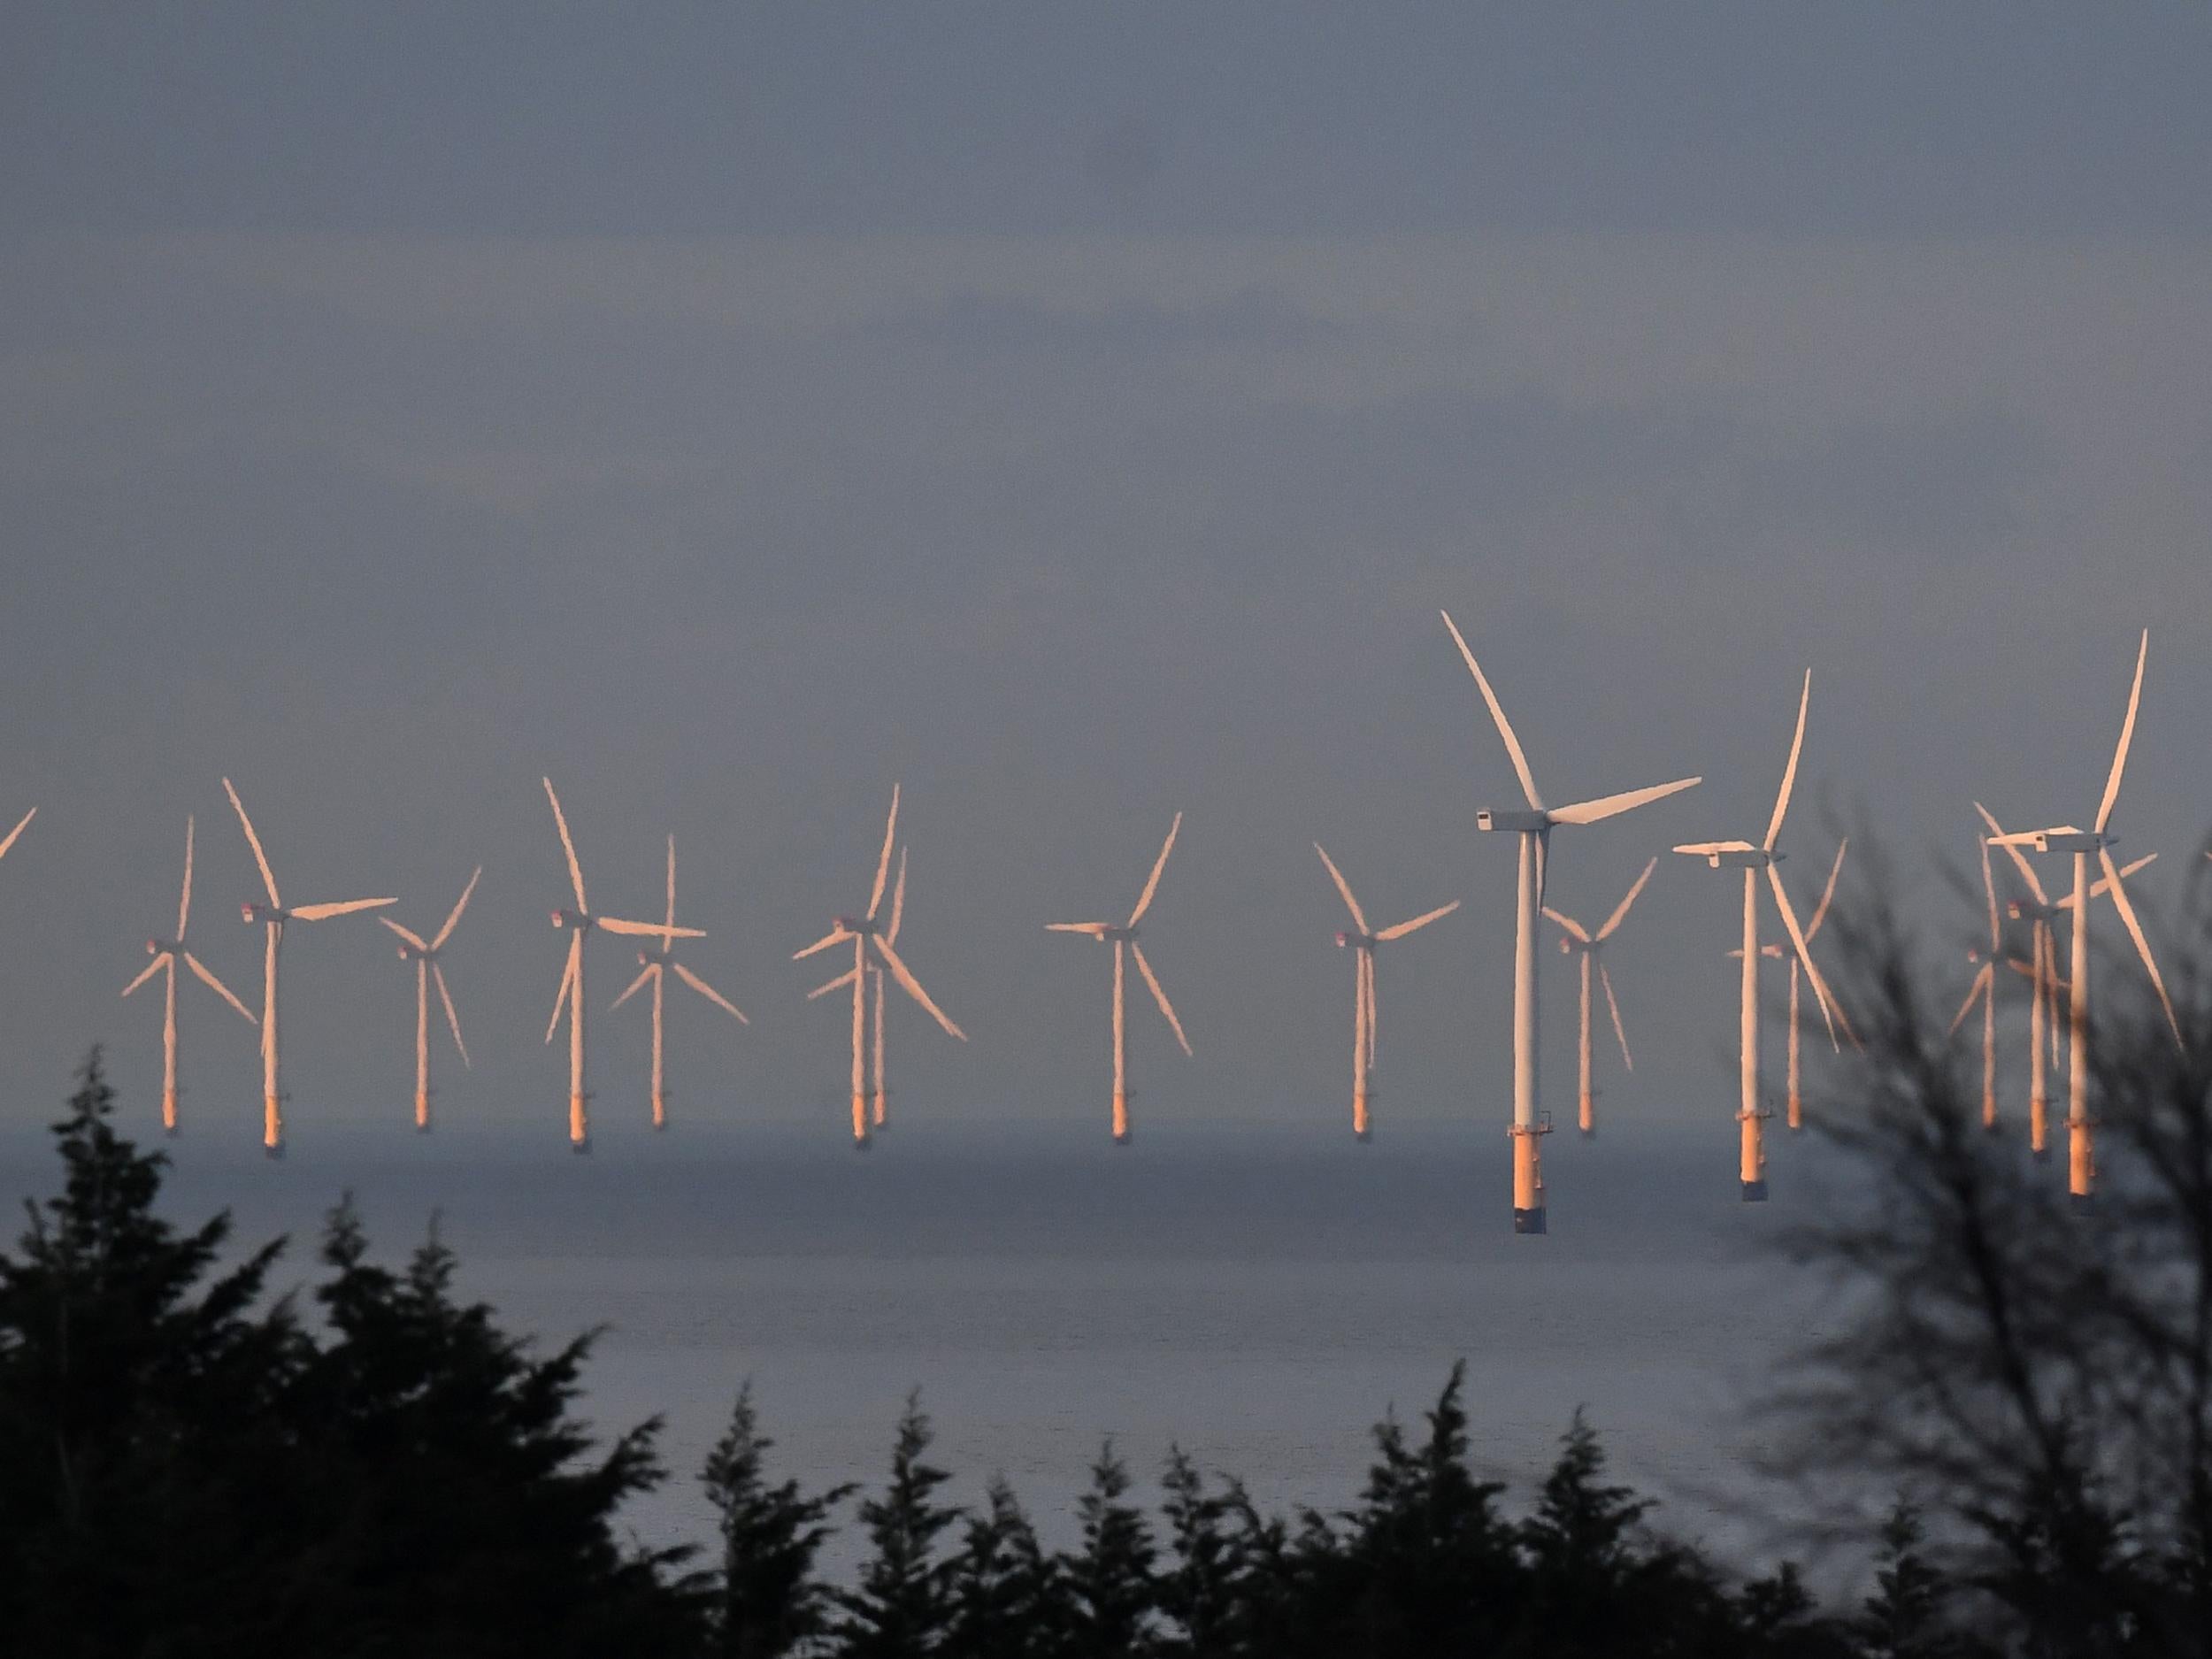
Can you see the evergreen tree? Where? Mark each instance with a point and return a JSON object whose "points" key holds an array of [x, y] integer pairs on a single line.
{"points": [[1908, 1616], [771, 1604], [1204, 1588], [903, 1605], [1010, 1599], [1111, 1580]]}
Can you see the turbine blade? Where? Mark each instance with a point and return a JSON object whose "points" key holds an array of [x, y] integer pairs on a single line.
{"points": [[644, 978], [1613, 805], [1569, 923], [672, 881], [151, 969], [205, 975], [912, 986], [1168, 1009], [1374, 1003], [568, 982], [1419, 922], [2103, 883], [268, 876], [1706, 849], [343, 907], [836, 935], [1097, 930], [460, 904], [898, 901], [2126, 906], [2019, 859], [408, 934], [1989, 894], [568, 847], [1789, 772], [1620, 910], [1613, 1007], [883, 862], [2127, 736], [184, 898], [1829, 1013], [646, 930], [1835, 870], [838, 984], [1984, 983], [708, 991], [1152, 886], [22, 825], [437, 978], [1497, 714], [1359, 919]]}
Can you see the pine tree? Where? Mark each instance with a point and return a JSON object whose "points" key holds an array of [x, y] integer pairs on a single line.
{"points": [[1906, 1617], [1010, 1597], [901, 1608], [771, 1604], [1110, 1578], [1202, 1590]]}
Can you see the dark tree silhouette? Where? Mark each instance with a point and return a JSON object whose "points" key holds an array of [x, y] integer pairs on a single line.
{"points": [[901, 1606], [1010, 1597], [771, 1603], [1110, 1578]]}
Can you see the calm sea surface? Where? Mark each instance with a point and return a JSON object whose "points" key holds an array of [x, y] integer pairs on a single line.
{"points": [[1259, 1295]]}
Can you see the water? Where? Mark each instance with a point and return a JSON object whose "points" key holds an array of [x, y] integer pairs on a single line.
{"points": [[1258, 1296]]}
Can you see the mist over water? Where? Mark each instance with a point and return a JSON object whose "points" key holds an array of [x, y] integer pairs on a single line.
{"points": [[1258, 1293]]}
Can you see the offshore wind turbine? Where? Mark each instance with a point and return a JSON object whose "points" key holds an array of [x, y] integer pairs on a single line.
{"points": [[1742, 854], [271, 917], [880, 1092], [1796, 1092], [166, 953], [1585, 945], [1362, 942], [2038, 910], [863, 931], [569, 997], [2083, 845], [1122, 937], [424, 954], [1534, 826], [655, 962]]}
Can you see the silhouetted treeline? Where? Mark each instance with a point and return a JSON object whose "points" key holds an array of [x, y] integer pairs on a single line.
{"points": [[189, 1467]]}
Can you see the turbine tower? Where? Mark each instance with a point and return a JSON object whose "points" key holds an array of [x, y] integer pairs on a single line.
{"points": [[1585, 945], [569, 997], [2038, 910], [653, 965], [863, 931], [2083, 845], [1740, 855], [1362, 942], [1534, 826], [1985, 990], [273, 915], [424, 954], [1124, 940], [166, 953]]}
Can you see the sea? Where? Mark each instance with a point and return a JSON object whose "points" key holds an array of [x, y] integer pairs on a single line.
{"points": [[1256, 1295]]}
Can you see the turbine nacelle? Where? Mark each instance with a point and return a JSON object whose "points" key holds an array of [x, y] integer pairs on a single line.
{"points": [[1349, 941], [255, 911], [1743, 858], [577, 919], [2061, 840], [852, 923], [1525, 821]]}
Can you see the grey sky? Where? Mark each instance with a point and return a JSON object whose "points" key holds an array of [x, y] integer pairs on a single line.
{"points": [[1076, 416]]}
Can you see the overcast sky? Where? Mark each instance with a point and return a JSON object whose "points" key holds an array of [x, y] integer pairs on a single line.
{"points": [[1077, 415]]}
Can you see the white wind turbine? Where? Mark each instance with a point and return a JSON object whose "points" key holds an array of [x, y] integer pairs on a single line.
{"points": [[653, 965], [271, 917], [1124, 940], [881, 1092], [2038, 910], [1362, 943], [865, 930], [1534, 826], [166, 953], [424, 954], [569, 997], [1743, 856], [2085, 845], [1773, 951], [1585, 945]]}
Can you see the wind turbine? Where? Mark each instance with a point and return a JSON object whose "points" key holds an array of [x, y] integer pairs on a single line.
{"points": [[2039, 913], [1534, 826], [1582, 943], [569, 997], [273, 915], [881, 1093], [2085, 845], [1124, 940], [865, 930], [1740, 855], [1985, 989], [1362, 942], [424, 954], [653, 965], [1796, 1118], [166, 953]]}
